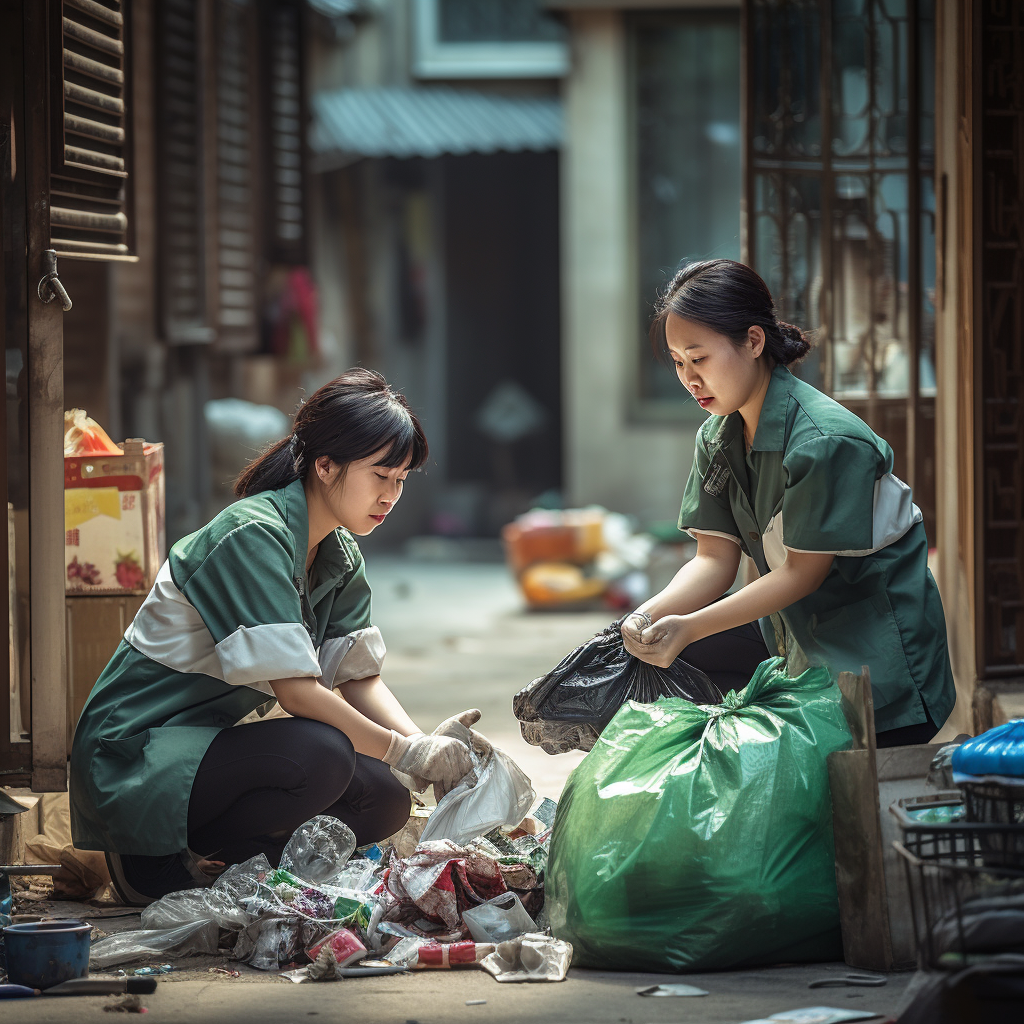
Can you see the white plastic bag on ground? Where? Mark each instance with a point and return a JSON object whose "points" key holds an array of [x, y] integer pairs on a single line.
{"points": [[501, 918], [503, 795]]}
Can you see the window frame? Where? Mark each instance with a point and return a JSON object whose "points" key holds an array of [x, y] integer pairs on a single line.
{"points": [[641, 409], [432, 58]]}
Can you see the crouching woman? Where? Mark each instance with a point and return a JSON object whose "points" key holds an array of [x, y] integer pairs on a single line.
{"points": [[268, 602]]}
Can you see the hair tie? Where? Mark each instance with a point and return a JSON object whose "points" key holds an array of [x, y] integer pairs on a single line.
{"points": [[295, 447]]}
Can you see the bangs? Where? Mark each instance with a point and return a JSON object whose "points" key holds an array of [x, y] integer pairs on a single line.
{"points": [[402, 443]]}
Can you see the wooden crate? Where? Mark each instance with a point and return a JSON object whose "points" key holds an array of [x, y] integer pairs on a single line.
{"points": [[874, 903]]}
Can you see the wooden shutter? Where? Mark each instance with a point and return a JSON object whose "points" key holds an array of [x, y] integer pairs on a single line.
{"points": [[90, 157], [286, 135], [238, 260], [181, 210]]}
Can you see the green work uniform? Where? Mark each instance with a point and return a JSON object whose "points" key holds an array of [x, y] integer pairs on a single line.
{"points": [[818, 479], [231, 610]]}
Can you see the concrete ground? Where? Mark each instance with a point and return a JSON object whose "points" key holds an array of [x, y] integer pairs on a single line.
{"points": [[458, 637]]}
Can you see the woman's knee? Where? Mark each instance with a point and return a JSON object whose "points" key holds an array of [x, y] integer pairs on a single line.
{"points": [[328, 757]]}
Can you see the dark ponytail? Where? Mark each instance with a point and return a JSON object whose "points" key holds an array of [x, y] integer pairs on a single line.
{"points": [[351, 418], [729, 298]]}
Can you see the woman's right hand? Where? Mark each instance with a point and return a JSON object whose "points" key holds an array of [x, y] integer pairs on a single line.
{"points": [[633, 625], [423, 759]]}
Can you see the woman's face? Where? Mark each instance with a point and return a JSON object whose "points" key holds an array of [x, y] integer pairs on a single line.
{"points": [[721, 375], [361, 496]]}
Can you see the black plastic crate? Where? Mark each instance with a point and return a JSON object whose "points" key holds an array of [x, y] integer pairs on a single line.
{"points": [[993, 802], [975, 843], [965, 908]]}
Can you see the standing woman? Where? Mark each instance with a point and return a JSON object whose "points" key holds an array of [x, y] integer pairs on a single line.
{"points": [[268, 602], [800, 484]]}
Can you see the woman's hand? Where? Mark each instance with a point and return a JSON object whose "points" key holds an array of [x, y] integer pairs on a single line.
{"points": [[661, 643], [443, 760]]}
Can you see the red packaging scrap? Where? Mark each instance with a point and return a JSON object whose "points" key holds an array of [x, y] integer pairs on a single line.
{"points": [[114, 533], [452, 954]]}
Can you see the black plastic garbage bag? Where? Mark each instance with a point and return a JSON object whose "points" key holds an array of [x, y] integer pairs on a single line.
{"points": [[567, 708]]}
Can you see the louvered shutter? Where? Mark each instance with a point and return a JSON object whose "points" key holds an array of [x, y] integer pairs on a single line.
{"points": [[181, 209], [286, 145], [237, 172], [90, 159]]}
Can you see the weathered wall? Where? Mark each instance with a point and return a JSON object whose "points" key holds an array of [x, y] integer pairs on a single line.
{"points": [[610, 457]]}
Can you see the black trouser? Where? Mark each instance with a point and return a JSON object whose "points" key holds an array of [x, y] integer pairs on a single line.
{"points": [[257, 783], [729, 659]]}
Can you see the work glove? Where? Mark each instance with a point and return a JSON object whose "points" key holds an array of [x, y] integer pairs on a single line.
{"points": [[419, 760], [458, 727]]}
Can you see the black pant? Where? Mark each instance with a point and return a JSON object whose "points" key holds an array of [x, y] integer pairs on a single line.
{"points": [[730, 657], [257, 783]]}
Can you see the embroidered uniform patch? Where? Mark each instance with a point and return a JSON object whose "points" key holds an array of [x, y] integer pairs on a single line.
{"points": [[717, 476]]}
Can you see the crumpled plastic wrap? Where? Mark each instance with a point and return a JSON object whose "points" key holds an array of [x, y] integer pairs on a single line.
{"points": [[319, 850], [192, 939], [501, 795], [529, 957], [268, 942]]}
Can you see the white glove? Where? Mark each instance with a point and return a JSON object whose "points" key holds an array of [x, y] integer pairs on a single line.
{"points": [[458, 727], [426, 759]]}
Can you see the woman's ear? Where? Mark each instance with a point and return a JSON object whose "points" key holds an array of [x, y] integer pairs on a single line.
{"points": [[324, 469], [755, 335]]}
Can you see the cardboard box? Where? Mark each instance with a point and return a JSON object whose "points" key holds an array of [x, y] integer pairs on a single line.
{"points": [[114, 533], [94, 627]]}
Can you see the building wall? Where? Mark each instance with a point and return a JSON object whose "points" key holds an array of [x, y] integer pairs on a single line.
{"points": [[610, 458]]}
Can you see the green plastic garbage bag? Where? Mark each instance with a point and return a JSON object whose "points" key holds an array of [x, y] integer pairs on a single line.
{"points": [[696, 837]]}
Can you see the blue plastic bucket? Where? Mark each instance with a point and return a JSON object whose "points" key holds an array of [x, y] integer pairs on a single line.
{"points": [[42, 954]]}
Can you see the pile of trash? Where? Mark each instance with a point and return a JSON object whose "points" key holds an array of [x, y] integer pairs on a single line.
{"points": [[431, 900], [572, 557]]}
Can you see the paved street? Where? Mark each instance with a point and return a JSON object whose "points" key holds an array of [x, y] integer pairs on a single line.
{"points": [[458, 637]]}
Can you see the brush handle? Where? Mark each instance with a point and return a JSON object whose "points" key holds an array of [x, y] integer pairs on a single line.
{"points": [[17, 991]]}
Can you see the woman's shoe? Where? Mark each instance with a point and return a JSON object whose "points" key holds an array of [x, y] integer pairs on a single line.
{"points": [[173, 872]]}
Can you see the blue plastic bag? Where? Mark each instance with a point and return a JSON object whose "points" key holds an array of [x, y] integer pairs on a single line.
{"points": [[999, 751]]}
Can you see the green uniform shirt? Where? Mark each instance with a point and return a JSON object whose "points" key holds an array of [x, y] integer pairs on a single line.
{"points": [[230, 611], [818, 479]]}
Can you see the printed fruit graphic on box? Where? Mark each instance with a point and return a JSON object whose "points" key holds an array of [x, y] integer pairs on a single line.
{"points": [[113, 510]]}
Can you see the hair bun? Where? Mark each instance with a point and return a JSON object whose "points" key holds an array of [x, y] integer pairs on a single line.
{"points": [[794, 344]]}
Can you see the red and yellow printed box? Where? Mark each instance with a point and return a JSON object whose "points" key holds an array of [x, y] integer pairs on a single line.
{"points": [[114, 533]]}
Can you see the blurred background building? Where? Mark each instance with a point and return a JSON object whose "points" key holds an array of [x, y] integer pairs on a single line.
{"points": [[481, 199]]}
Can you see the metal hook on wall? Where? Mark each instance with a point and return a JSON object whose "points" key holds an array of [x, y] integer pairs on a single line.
{"points": [[50, 286]]}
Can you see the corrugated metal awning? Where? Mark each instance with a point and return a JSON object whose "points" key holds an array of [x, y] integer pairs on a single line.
{"points": [[428, 122]]}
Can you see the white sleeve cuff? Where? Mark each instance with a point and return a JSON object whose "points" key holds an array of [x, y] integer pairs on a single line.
{"points": [[356, 656], [256, 654], [714, 533]]}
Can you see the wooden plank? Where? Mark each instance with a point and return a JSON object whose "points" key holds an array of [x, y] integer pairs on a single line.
{"points": [[860, 870], [860, 867], [45, 438]]}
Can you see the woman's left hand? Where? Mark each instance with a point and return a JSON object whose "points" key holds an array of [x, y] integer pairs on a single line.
{"points": [[661, 643]]}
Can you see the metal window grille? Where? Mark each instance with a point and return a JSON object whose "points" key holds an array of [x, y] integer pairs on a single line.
{"points": [[841, 205]]}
